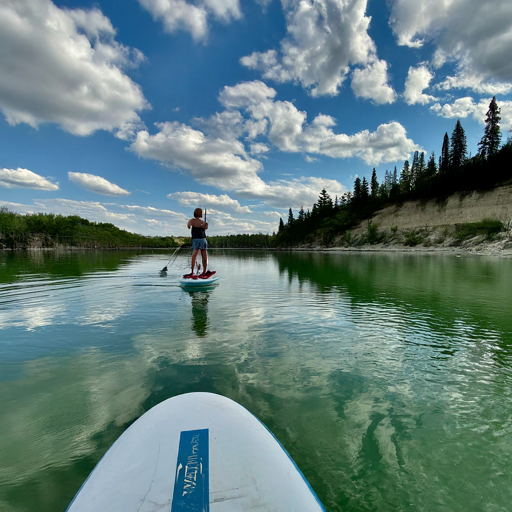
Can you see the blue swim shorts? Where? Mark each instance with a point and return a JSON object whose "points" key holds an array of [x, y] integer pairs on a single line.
{"points": [[199, 243]]}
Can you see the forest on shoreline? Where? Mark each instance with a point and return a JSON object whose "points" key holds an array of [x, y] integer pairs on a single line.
{"points": [[46, 230], [420, 179]]}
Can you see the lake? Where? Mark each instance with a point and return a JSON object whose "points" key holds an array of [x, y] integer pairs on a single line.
{"points": [[387, 377]]}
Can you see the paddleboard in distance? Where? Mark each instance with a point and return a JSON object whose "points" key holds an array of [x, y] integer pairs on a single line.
{"points": [[200, 281], [197, 452]]}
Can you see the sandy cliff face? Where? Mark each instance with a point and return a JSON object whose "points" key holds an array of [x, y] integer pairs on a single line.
{"points": [[435, 226], [474, 207]]}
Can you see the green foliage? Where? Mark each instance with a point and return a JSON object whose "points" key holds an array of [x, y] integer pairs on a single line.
{"points": [[372, 233], [458, 146], [49, 230], [412, 238], [490, 143], [487, 228]]}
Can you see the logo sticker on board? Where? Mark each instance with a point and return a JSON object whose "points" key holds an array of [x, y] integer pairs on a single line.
{"points": [[191, 484]]}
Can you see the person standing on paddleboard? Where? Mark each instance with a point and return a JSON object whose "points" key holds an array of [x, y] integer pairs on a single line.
{"points": [[199, 243]]}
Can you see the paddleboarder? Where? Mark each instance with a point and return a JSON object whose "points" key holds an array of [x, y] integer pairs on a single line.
{"points": [[198, 228]]}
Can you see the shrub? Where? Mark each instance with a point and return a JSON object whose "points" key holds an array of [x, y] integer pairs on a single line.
{"points": [[412, 238], [487, 227]]}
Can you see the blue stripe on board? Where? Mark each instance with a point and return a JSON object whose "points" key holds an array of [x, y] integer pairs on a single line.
{"points": [[191, 484]]}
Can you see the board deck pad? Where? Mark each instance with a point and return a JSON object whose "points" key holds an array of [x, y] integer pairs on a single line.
{"points": [[191, 485], [196, 452]]}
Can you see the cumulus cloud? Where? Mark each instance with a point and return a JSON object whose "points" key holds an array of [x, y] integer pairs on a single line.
{"points": [[293, 193], [476, 35], [23, 178], [212, 161], [222, 222], [258, 148], [96, 184], [191, 17], [464, 107], [372, 83], [223, 202], [417, 80], [324, 38], [225, 164], [65, 67]]}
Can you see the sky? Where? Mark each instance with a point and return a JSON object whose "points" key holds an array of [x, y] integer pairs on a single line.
{"points": [[135, 112]]}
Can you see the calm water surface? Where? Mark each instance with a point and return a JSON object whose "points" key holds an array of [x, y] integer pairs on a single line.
{"points": [[388, 378]]}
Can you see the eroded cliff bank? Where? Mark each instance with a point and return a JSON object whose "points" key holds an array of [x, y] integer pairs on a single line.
{"points": [[478, 222]]}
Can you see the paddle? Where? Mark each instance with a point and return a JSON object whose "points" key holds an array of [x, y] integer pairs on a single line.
{"points": [[165, 268]]}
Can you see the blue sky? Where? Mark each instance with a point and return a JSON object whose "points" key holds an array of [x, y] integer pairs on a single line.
{"points": [[137, 111]]}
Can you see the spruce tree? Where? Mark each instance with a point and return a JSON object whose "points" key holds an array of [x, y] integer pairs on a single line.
{"points": [[458, 147], [302, 215], [281, 225], [357, 190], [414, 169], [431, 166], [405, 178], [365, 190], [491, 140], [444, 159], [291, 220], [324, 201], [374, 185]]}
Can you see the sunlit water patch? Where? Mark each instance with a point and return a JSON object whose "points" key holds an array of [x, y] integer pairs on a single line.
{"points": [[387, 377]]}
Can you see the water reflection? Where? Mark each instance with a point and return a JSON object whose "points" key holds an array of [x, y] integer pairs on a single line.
{"points": [[378, 373], [199, 300]]}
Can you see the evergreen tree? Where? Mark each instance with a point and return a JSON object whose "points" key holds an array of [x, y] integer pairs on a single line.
{"points": [[491, 140], [388, 181], [374, 184], [458, 147], [324, 201], [444, 159], [281, 225], [414, 169], [394, 181], [405, 178], [302, 214], [291, 220], [431, 166], [357, 190], [365, 190]]}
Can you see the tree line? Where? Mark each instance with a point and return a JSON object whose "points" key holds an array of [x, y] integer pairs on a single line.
{"points": [[49, 230], [422, 178]]}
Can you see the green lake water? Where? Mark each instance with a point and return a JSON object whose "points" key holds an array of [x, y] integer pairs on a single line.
{"points": [[388, 378]]}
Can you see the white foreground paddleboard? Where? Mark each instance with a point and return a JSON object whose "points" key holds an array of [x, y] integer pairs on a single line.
{"points": [[197, 452], [198, 282]]}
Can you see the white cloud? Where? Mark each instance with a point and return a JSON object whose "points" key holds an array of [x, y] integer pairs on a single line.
{"points": [[417, 80], [372, 83], [222, 223], [293, 193], [258, 148], [225, 164], [464, 107], [246, 94], [286, 128], [192, 17], [65, 67], [221, 163], [96, 184], [324, 38], [461, 107], [196, 199], [476, 35], [23, 178]]}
